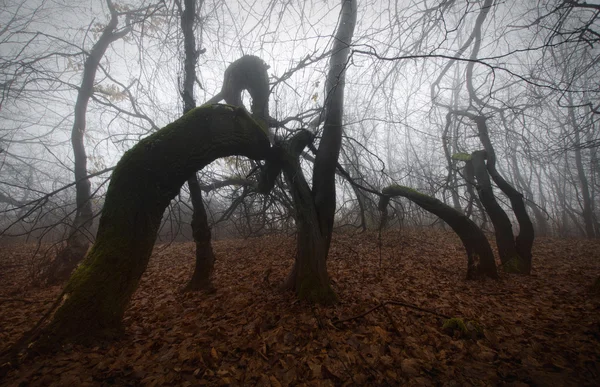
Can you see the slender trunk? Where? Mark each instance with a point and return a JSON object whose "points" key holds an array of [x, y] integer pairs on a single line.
{"points": [[469, 174], [201, 233], [540, 218], [587, 212], [80, 235]]}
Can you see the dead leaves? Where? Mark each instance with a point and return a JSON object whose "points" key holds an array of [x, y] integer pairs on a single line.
{"points": [[542, 329]]}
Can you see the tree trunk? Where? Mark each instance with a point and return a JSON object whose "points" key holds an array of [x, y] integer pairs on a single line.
{"points": [[309, 277], [587, 210], [540, 219], [315, 210], [205, 257], [480, 258], [80, 236], [524, 240], [501, 222], [247, 73], [469, 174], [143, 183], [201, 232], [451, 180]]}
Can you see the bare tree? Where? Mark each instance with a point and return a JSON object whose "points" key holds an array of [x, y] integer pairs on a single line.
{"points": [[80, 236]]}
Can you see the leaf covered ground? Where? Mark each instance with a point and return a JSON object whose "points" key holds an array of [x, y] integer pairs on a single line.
{"points": [[541, 330]]}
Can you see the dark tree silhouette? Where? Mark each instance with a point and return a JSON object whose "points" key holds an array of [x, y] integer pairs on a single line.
{"points": [[480, 258], [145, 180]]}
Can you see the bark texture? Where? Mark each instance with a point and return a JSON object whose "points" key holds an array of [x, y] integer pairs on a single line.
{"points": [[480, 258], [143, 183]]}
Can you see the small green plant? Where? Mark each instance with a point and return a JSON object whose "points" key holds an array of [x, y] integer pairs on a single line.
{"points": [[457, 327], [455, 324], [513, 265]]}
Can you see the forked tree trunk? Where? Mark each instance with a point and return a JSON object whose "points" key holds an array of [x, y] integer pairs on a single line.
{"points": [[145, 180], [524, 241], [480, 258], [502, 225], [309, 277], [316, 210]]}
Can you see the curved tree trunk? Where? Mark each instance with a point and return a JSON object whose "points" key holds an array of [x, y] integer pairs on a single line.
{"points": [[524, 240], [480, 258], [145, 180], [79, 237], [247, 73], [502, 225]]}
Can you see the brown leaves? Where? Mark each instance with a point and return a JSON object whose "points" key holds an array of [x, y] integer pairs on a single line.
{"points": [[542, 329]]}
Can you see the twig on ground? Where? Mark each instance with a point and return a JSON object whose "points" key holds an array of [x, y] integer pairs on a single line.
{"points": [[398, 303]]}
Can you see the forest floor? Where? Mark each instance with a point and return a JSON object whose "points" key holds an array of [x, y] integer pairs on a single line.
{"points": [[541, 330]]}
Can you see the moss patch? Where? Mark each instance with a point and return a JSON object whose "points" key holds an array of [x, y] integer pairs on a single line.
{"points": [[461, 156], [514, 265], [456, 327]]}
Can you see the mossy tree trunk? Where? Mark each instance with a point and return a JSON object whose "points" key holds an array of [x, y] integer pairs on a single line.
{"points": [[480, 258], [145, 180]]}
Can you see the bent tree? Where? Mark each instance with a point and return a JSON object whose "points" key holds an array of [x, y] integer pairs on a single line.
{"points": [[151, 174], [480, 258], [145, 180]]}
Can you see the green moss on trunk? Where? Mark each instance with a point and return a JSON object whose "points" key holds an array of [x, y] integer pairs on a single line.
{"points": [[143, 183]]}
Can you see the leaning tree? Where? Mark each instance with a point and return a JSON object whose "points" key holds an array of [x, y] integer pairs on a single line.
{"points": [[150, 175]]}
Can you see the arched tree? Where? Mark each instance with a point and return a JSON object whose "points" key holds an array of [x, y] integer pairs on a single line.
{"points": [[146, 179]]}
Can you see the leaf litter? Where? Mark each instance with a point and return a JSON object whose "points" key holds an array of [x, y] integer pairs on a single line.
{"points": [[542, 329]]}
